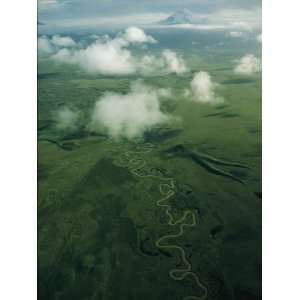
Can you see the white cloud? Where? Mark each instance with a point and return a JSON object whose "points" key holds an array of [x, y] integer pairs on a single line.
{"points": [[150, 64], [174, 63], [168, 62], [44, 45], [50, 46], [224, 19], [110, 58], [139, 19], [113, 56], [248, 65], [136, 35], [237, 26], [66, 119], [62, 41], [63, 55], [131, 115], [231, 19], [195, 26], [203, 89]]}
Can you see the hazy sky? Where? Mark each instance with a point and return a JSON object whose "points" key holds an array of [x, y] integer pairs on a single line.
{"points": [[94, 12]]}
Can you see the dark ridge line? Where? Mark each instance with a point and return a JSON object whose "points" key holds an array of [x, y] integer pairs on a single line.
{"points": [[57, 143], [222, 115], [206, 161]]}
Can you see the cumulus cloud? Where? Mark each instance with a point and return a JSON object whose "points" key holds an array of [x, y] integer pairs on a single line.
{"points": [[136, 35], [44, 45], [174, 63], [63, 55], [66, 119], [203, 89], [131, 115], [63, 41], [114, 57], [247, 65], [48, 45], [105, 55], [111, 58], [168, 62]]}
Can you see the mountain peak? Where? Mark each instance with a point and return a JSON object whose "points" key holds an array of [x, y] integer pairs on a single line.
{"points": [[183, 16]]}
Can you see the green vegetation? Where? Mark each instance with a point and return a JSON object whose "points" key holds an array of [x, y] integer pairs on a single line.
{"points": [[116, 217]]}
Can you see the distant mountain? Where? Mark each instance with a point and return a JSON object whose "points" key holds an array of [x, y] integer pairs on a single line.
{"points": [[183, 16], [40, 23]]}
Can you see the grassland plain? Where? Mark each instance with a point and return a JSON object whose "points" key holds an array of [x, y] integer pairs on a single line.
{"points": [[98, 222]]}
